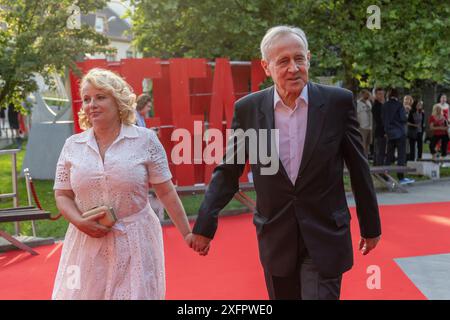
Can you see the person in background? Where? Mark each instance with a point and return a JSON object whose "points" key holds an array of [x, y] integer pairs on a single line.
{"points": [[416, 118], [379, 134], [143, 106], [420, 109], [442, 102], [407, 103], [394, 120], [13, 119], [364, 114], [439, 128], [2, 120]]}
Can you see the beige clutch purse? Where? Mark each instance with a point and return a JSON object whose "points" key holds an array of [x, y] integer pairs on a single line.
{"points": [[108, 220]]}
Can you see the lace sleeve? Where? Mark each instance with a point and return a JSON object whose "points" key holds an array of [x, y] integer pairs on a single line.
{"points": [[62, 175], [157, 164]]}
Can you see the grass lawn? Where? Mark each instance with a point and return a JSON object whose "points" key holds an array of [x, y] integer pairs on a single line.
{"points": [[57, 229], [445, 172], [44, 190]]}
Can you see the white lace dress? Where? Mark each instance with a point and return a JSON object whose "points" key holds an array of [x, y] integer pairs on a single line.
{"points": [[128, 263]]}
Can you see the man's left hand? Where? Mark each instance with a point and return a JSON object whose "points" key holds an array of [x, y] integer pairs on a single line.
{"points": [[368, 244]]}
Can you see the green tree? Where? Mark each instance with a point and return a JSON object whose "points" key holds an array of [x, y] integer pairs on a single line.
{"points": [[34, 38], [412, 44]]}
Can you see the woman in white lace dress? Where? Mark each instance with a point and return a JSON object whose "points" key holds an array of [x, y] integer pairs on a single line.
{"points": [[112, 163]]}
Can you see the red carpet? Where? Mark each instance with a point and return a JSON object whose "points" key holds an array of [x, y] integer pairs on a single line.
{"points": [[232, 269]]}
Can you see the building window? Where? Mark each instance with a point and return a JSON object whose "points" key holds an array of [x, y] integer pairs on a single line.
{"points": [[129, 54], [100, 24]]}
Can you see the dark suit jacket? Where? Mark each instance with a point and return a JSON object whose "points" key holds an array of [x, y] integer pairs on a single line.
{"points": [[316, 205], [394, 119], [377, 120]]}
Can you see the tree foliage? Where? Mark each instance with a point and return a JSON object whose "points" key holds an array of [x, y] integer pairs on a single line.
{"points": [[34, 38], [412, 44]]}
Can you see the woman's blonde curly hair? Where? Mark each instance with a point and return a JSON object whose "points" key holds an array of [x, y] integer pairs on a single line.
{"points": [[110, 83]]}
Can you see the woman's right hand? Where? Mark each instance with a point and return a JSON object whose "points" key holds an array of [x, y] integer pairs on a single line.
{"points": [[91, 227]]}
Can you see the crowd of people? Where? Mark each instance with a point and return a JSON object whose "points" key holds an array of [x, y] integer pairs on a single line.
{"points": [[394, 130]]}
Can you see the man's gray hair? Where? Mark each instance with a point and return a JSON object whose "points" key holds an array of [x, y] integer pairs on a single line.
{"points": [[276, 32]]}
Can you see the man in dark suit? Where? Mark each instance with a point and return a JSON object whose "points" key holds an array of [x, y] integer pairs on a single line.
{"points": [[302, 219], [394, 118]]}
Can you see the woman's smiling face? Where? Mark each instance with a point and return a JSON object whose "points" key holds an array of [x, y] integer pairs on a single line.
{"points": [[99, 106]]}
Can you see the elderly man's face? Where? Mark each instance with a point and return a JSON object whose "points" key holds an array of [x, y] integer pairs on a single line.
{"points": [[287, 64]]}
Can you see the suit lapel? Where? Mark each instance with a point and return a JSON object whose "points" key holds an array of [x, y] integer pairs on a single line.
{"points": [[266, 112], [316, 116], [267, 121]]}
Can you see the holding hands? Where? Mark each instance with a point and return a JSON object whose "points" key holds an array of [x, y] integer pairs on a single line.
{"points": [[197, 242]]}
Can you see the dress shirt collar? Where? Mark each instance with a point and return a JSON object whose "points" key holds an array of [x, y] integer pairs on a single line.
{"points": [[303, 95], [126, 131]]}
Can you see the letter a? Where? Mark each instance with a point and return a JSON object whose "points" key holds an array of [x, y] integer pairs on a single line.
{"points": [[374, 20], [374, 281]]}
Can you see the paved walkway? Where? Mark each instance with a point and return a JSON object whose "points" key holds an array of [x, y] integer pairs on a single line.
{"points": [[419, 192]]}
